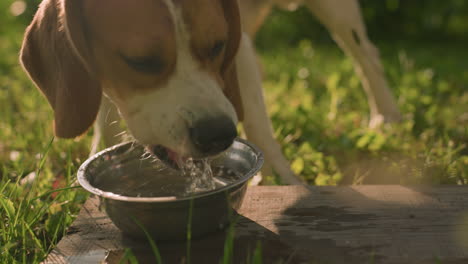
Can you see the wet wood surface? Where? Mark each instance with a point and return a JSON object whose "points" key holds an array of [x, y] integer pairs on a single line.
{"points": [[297, 224]]}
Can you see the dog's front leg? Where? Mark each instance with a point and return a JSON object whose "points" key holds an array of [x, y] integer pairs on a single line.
{"points": [[257, 124], [344, 21]]}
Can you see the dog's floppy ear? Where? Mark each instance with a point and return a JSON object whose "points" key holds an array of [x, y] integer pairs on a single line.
{"points": [[55, 55], [231, 89]]}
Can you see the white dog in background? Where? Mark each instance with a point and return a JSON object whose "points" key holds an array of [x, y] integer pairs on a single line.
{"points": [[344, 21]]}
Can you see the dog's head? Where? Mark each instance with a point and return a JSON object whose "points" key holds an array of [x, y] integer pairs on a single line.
{"points": [[166, 64]]}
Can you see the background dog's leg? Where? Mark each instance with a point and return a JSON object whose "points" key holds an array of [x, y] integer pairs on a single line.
{"points": [[257, 124], [344, 21], [253, 14], [107, 126]]}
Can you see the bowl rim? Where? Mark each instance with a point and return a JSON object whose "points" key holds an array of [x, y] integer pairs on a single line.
{"points": [[81, 176]]}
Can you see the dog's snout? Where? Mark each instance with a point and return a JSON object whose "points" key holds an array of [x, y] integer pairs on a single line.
{"points": [[213, 135]]}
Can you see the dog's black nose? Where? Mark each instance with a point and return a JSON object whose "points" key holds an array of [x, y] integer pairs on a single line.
{"points": [[213, 135]]}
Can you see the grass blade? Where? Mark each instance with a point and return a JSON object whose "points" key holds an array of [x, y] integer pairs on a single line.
{"points": [[189, 232], [153, 245]]}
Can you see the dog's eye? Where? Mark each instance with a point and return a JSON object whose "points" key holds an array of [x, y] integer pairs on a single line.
{"points": [[216, 49], [145, 64]]}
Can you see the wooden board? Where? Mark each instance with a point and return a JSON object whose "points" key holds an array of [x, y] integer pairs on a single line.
{"points": [[297, 224]]}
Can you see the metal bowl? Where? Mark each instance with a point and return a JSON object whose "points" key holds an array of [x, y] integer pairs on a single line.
{"points": [[167, 217]]}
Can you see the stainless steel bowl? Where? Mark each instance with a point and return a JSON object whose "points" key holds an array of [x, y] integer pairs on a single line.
{"points": [[167, 217]]}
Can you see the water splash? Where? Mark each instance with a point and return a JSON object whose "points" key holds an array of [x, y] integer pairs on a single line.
{"points": [[199, 176]]}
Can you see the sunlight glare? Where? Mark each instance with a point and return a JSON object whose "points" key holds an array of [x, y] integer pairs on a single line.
{"points": [[17, 8]]}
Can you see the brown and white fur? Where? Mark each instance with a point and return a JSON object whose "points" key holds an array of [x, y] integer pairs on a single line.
{"points": [[180, 72], [167, 65], [344, 21]]}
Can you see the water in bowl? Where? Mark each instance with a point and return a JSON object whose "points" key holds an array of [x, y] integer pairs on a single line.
{"points": [[152, 178]]}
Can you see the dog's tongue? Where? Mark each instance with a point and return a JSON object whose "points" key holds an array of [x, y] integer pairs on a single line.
{"points": [[167, 156], [173, 156]]}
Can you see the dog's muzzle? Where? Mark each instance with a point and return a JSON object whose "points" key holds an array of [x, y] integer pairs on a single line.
{"points": [[209, 136], [213, 135]]}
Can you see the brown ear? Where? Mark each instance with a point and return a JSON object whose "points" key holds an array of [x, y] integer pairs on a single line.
{"points": [[231, 13], [54, 54]]}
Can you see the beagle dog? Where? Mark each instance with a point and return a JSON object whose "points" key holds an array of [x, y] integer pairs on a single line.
{"points": [[180, 73], [167, 65]]}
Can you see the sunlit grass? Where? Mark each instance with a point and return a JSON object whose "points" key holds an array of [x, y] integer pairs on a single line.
{"points": [[33, 216], [320, 115]]}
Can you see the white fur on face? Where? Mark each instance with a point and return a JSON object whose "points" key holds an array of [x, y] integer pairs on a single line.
{"points": [[163, 115]]}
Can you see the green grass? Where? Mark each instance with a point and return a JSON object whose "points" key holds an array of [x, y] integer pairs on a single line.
{"points": [[319, 112]]}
